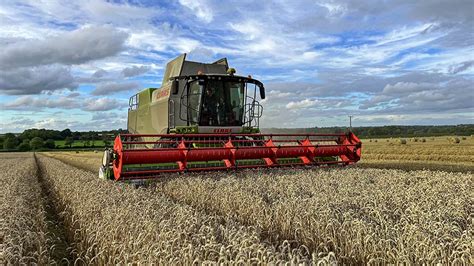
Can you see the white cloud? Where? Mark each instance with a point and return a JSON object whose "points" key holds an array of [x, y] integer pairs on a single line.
{"points": [[424, 97], [35, 80], [103, 104], [250, 29], [105, 11], [404, 33], [443, 62], [75, 47], [50, 123], [86, 11], [75, 124], [200, 9], [134, 71], [29, 102], [164, 39], [113, 88], [99, 73], [384, 48], [406, 87], [386, 58], [17, 124], [334, 8], [278, 94], [461, 67], [279, 48], [63, 102], [301, 104]]}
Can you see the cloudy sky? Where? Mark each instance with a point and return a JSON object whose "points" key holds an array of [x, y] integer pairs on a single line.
{"points": [[73, 64]]}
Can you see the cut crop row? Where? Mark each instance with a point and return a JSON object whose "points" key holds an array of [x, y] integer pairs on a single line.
{"points": [[466, 159], [112, 223], [23, 225]]}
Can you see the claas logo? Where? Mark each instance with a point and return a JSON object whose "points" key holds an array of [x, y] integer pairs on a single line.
{"points": [[163, 93], [222, 130]]}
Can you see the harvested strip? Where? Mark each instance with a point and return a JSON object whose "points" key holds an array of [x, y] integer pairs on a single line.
{"points": [[466, 159], [412, 151], [85, 160], [417, 165], [116, 224], [23, 226], [362, 215]]}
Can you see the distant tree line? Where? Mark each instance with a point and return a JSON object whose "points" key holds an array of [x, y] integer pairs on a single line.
{"points": [[46, 139], [386, 131]]}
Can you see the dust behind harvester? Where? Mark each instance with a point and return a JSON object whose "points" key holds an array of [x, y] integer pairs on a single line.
{"points": [[204, 117]]}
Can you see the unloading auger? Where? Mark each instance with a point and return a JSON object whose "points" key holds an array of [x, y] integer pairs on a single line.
{"points": [[204, 118]]}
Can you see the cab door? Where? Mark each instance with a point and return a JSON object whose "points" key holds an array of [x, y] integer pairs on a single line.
{"points": [[191, 103]]}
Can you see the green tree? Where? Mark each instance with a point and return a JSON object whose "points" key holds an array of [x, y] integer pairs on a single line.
{"points": [[50, 144], [41, 133], [24, 146], [106, 139], [87, 143], [76, 135], [69, 141], [10, 142], [36, 143], [106, 142], [66, 133]]}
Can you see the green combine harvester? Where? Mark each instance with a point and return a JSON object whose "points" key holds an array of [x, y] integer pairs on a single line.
{"points": [[205, 117]]}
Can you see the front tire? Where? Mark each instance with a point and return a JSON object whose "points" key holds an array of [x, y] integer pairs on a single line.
{"points": [[105, 170]]}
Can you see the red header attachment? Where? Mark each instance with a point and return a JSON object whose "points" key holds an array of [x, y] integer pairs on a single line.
{"points": [[146, 156]]}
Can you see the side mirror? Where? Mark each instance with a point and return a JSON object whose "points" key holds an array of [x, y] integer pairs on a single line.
{"points": [[262, 92], [174, 87]]}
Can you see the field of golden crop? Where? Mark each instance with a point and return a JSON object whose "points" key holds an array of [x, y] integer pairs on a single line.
{"points": [[23, 223], [111, 223], [354, 215], [435, 153], [362, 215]]}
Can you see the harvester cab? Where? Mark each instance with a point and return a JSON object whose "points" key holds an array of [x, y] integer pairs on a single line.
{"points": [[205, 117], [198, 98]]}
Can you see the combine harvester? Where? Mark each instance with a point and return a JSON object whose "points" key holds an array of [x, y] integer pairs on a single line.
{"points": [[203, 118]]}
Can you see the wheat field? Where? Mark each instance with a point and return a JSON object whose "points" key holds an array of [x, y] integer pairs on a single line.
{"points": [[23, 223], [438, 153], [362, 215], [434, 154], [110, 223], [353, 215]]}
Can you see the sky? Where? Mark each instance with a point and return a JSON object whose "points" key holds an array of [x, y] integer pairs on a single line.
{"points": [[74, 64]]}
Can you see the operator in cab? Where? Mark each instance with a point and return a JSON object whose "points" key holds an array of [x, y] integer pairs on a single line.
{"points": [[209, 108]]}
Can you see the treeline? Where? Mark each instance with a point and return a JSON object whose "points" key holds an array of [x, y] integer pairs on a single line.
{"points": [[386, 131], [41, 139]]}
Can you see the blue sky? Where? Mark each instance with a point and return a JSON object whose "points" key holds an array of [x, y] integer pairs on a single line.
{"points": [[73, 64]]}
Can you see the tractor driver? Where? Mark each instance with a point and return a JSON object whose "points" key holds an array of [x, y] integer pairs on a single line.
{"points": [[209, 108]]}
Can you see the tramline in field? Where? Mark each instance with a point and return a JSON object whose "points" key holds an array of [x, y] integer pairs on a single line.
{"points": [[204, 117]]}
